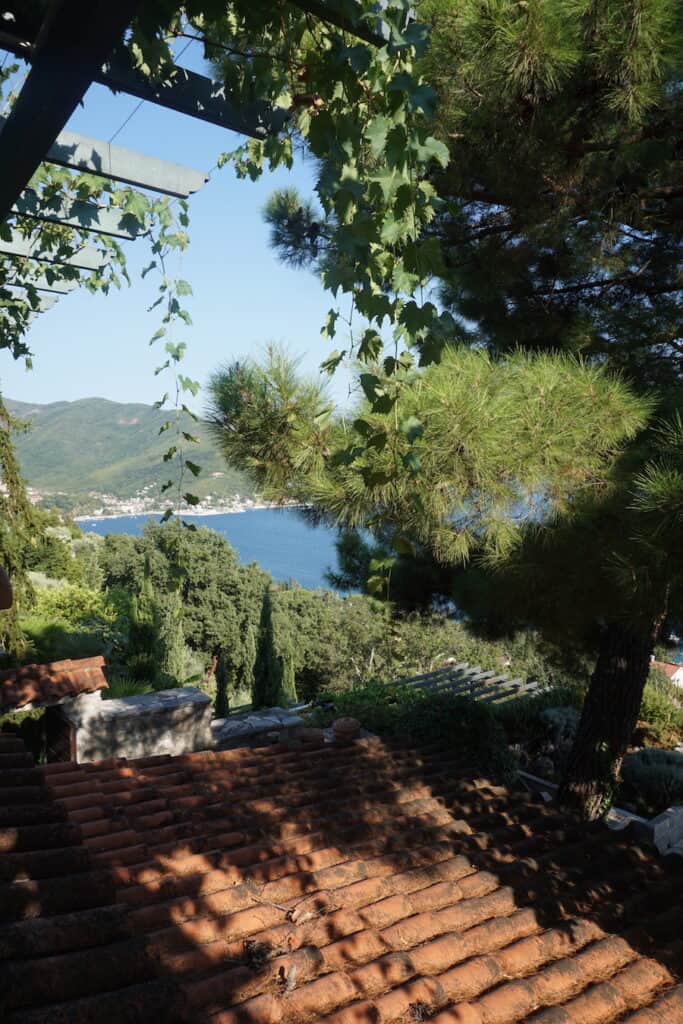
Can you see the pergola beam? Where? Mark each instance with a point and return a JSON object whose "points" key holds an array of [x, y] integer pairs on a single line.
{"points": [[74, 41], [181, 90], [42, 284], [103, 220], [85, 258], [344, 14], [45, 302], [82, 153], [195, 95]]}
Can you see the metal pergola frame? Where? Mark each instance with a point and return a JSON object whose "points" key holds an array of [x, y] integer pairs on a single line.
{"points": [[78, 42]]}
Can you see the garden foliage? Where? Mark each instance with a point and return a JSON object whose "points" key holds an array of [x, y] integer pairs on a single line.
{"points": [[656, 777], [404, 714]]}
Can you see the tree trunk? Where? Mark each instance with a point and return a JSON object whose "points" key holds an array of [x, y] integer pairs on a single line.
{"points": [[609, 716]]}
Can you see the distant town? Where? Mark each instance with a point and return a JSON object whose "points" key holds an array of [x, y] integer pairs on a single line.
{"points": [[147, 501]]}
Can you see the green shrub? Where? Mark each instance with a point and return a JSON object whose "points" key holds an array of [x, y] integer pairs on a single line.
{"points": [[140, 665], [424, 718], [54, 641], [522, 717], [73, 605], [29, 726], [656, 777], [334, 643], [71, 621], [662, 708], [125, 686]]}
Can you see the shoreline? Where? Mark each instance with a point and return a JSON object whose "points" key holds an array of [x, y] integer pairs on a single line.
{"points": [[186, 513]]}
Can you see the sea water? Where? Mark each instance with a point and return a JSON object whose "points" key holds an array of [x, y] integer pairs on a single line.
{"points": [[278, 539]]}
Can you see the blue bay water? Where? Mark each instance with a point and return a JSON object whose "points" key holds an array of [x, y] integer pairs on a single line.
{"points": [[278, 539]]}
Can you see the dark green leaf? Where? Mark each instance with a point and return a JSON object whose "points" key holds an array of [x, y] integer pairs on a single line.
{"points": [[363, 427], [402, 544], [330, 364], [412, 462], [376, 133], [370, 346]]}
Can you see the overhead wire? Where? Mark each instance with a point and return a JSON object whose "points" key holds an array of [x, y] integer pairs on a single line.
{"points": [[137, 106]]}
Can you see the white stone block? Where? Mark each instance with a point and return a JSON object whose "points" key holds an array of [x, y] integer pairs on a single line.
{"points": [[667, 829]]}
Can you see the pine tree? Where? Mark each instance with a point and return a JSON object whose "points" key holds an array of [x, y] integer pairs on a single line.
{"points": [[560, 231], [560, 222], [550, 481]]}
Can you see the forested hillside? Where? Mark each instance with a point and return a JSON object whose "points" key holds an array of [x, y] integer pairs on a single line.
{"points": [[93, 444]]}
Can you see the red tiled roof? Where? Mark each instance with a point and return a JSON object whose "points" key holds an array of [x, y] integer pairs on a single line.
{"points": [[335, 885], [667, 667], [45, 684]]}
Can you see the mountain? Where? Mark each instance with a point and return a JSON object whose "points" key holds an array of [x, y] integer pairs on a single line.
{"points": [[80, 450]]}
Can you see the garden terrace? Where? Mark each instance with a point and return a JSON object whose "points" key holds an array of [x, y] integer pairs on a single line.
{"points": [[340, 884]]}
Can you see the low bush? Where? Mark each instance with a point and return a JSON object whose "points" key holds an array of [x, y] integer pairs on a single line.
{"points": [[522, 718], [29, 726], [416, 716], [73, 605], [655, 777], [53, 641], [662, 710], [125, 686], [71, 621]]}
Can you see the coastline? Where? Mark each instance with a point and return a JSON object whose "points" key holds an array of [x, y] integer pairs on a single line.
{"points": [[186, 513]]}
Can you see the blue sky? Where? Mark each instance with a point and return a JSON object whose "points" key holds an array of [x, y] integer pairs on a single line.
{"points": [[96, 345]]}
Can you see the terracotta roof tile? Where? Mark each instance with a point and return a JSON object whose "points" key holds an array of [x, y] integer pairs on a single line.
{"points": [[46, 684], [669, 668], [351, 885]]}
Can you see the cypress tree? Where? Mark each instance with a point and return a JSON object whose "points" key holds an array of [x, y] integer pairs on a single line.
{"points": [[20, 532], [274, 681], [246, 680], [222, 685], [287, 675], [142, 632], [169, 647]]}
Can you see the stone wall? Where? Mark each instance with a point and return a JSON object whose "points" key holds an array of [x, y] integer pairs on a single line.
{"points": [[166, 722]]}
